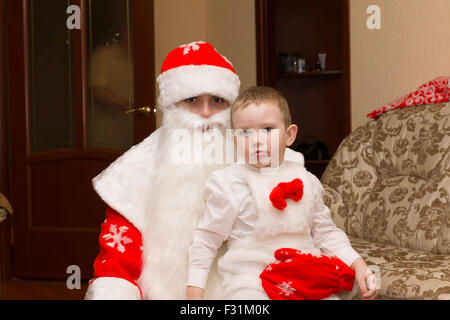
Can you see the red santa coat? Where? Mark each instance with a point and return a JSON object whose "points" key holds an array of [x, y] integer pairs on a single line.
{"points": [[119, 263]]}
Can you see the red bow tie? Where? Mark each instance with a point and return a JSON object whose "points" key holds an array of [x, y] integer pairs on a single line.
{"points": [[286, 190]]}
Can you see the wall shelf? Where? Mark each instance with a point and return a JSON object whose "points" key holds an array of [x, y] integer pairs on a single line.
{"points": [[309, 74]]}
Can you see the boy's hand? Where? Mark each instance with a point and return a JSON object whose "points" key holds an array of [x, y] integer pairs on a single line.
{"points": [[194, 293], [363, 277]]}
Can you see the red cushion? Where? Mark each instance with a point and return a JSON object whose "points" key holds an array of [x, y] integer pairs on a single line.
{"points": [[434, 91]]}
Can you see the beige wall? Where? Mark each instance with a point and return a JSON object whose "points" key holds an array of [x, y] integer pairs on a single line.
{"points": [[228, 25], [176, 22], [232, 30], [412, 48]]}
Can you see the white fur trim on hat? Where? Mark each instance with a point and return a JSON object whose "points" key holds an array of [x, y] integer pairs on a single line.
{"points": [[190, 81]]}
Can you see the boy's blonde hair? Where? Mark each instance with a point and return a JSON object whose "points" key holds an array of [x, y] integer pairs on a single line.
{"points": [[257, 95]]}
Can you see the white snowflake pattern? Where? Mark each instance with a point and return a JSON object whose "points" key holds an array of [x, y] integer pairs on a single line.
{"points": [[194, 46], [286, 288], [117, 237]]}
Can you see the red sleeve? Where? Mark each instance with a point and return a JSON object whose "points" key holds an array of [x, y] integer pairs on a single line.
{"points": [[120, 249]]}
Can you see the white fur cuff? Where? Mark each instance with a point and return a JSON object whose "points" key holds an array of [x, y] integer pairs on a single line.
{"points": [[106, 288]]}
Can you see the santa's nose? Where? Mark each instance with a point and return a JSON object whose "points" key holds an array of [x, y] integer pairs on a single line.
{"points": [[206, 110]]}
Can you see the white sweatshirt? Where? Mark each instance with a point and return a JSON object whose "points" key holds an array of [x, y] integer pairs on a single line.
{"points": [[231, 214]]}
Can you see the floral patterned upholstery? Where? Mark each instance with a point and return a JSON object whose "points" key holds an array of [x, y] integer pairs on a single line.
{"points": [[388, 188]]}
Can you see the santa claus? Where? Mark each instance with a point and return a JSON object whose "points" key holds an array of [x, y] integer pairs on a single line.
{"points": [[155, 201]]}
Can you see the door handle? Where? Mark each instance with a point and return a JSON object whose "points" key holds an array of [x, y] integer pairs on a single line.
{"points": [[144, 110]]}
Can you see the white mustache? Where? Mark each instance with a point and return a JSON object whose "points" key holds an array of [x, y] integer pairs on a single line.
{"points": [[182, 118]]}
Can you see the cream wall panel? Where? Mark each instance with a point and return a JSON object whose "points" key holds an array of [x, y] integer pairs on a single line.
{"points": [[231, 29], [176, 22]]}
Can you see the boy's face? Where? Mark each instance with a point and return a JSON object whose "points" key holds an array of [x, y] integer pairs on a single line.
{"points": [[261, 135]]}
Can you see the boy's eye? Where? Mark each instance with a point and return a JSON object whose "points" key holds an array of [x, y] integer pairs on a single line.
{"points": [[242, 132], [268, 129]]}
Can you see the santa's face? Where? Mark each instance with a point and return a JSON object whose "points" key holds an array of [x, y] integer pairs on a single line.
{"points": [[196, 130], [205, 105], [202, 112]]}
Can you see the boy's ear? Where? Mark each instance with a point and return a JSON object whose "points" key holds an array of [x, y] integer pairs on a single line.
{"points": [[291, 133]]}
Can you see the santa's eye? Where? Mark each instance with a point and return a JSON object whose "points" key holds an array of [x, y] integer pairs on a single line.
{"points": [[218, 100], [191, 99]]}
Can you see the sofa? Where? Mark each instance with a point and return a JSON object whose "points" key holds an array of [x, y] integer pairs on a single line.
{"points": [[388, 188]]}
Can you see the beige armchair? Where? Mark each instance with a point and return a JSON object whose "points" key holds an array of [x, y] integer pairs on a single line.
{"points": [[388, 188]]}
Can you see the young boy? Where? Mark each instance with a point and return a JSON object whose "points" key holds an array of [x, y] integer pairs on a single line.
{"points": [[269, 206]]}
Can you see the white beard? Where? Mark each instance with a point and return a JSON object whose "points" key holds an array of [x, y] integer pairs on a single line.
{"points": [[174, 209]]}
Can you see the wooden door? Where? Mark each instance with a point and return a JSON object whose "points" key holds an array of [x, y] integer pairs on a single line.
{"points": [[68, 92]]}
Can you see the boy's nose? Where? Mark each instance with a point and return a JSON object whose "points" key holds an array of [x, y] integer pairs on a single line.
{"points": [[258, 138], [262, 137]]}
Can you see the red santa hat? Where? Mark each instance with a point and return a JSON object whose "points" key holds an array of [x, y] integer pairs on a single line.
{"points": [[194, 69]]}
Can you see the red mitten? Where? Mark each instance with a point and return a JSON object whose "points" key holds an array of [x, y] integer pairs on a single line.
{"points": [[299, 276]]}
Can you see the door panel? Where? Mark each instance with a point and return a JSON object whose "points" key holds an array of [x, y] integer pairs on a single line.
{"points": [[49, 179], [52, 107], [69, 91], [110, 70]]}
